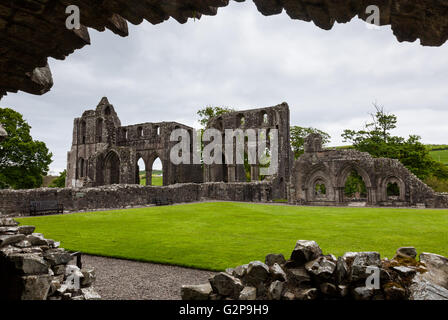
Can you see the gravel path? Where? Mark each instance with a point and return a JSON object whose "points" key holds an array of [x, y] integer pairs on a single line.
{"points": [[119, 279]]}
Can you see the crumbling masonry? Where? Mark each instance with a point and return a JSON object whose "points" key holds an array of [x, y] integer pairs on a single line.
{"points": [[102, 169], [104, 152]]}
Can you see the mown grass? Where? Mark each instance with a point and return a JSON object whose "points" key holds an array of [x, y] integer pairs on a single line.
{"points": [[218, 235], [440, 155], [155, 180]]}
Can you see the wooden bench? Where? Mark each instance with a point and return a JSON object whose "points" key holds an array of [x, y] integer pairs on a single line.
{"points": [[162, 202], [45, 206]]}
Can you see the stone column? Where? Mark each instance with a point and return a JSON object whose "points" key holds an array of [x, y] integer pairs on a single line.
{"points": [[231, 173], [254, 172]]}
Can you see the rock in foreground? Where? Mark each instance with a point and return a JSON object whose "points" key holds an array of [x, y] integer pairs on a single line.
{"points": [[310, 275]]}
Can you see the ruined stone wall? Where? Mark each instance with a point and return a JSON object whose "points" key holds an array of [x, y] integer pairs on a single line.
{"points": [[103, 152], [332, 167], [35, 268], [126, 196], [308, 274], [269, 118]]}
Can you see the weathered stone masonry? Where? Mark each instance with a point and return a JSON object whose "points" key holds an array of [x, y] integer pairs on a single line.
{"points": [[332, 167], [102, 169], [104, 152], [125, 196], [277, 118]]}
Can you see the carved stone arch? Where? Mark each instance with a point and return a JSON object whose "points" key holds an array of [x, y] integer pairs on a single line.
{"points": [[341, 179], [99, 171], [343, 174], [392, 179], [112, 170], [319, 174], [142, 156], [149, 167]]}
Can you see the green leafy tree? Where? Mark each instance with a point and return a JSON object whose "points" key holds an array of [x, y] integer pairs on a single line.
{"points": [[376, 139], [59, 182], [209, 112], [298, 135], [23, 161]]}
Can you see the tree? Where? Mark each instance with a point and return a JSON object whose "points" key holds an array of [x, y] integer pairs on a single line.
{"points": [[209, 112], [376, 139], [59, 182], [23, 161], [298, 135]]}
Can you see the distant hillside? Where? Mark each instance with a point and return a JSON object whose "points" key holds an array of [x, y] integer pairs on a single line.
{"points": [[439, 153], [154, 172], [47, 180]]}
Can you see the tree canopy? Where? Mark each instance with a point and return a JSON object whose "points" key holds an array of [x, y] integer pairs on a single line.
{"points": [[376, 138], [23, 161], [59, 182], [298, 135], [205, 114]]}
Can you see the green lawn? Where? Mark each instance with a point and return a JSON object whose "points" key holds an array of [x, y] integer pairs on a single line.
{"points": [[440, 155], [222, 234], [156, 180]]}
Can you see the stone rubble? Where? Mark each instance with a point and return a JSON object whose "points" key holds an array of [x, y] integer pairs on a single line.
{"points": [[310, 275], [35, 268]]}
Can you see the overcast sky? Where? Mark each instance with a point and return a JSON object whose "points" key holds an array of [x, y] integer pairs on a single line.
{"points": [[242, 59]]}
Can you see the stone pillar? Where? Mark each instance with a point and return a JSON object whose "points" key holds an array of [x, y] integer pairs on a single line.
{"points": [[148, 177], [231, 173], [254, 172]]}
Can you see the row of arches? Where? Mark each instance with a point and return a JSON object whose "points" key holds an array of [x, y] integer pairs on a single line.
{"points": [[353, 184], [263, 119], [151, 175]]}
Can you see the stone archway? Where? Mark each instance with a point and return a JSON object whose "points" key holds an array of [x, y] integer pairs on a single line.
{"points": [[391, 180], [112, 168], [341, 179], [313, 186], [141, 165], [149, 169]]}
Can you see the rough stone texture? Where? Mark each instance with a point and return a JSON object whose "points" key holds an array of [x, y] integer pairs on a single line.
{"points": [[332, 167], [274, 258], [257, 272], [268, 119], [277, 272], [322, 278], [248, 293], [32, 31], [102, 169], [37, 270], [406, 252], [196, 292], [127, 196], [437, 267], [305, 251], [226, 285], [322, 267], [104, 152], [422, 289]]}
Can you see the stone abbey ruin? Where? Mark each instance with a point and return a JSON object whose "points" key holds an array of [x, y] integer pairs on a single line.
{"points": [[104, 152], [103, 171]]}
